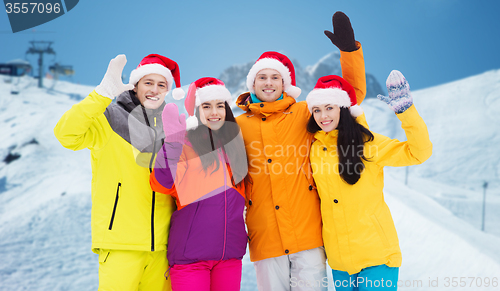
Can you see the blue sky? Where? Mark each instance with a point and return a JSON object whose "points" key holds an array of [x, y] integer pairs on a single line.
{"points": [[430, 41]]}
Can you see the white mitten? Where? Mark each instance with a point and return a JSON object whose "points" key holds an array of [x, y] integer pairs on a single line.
{"points": [[112, 85]]}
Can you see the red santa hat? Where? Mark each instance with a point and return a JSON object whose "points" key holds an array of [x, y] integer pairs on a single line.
{"points": [[158, 64], [280, 63], [201, 91], [334, 90]]}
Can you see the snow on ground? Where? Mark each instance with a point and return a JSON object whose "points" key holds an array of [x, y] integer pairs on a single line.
{"points": [[436, 244], [45, 195], [463, 122]]}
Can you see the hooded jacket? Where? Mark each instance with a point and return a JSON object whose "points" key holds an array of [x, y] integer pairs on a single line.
{"points": [[208, 224], [283, 207], [123, 138], [358, 229]]}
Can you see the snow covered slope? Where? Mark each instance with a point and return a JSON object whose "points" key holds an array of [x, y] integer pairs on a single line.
{"points": [[436, 245], [463, 118], [45, 189]]}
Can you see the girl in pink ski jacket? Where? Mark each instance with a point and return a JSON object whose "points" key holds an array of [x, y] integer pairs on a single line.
{"points": [[204, 170]]}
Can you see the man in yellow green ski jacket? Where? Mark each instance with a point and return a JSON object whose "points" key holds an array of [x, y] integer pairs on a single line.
{"points": [[130, 222]]}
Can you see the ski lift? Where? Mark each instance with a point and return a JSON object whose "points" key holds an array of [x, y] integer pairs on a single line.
{"points": [[15, 68], [61, 70], [13, 71], [57, 70], [40, 48]]}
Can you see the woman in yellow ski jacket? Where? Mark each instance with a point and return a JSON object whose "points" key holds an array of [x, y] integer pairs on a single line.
{"points": [[347, 161]]}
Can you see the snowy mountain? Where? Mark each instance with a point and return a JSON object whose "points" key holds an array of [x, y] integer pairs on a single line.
{"points": [[235, 76], [45, 189]]}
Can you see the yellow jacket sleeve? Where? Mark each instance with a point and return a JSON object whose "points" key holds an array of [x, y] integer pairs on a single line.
{"points": [[391, 152], [84, 125]]}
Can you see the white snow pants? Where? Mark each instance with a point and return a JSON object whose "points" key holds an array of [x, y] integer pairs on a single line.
{"points": [[301, 271]]}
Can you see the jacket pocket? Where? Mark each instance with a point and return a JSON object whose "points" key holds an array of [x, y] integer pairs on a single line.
{"points": [[114, 206], [380, 231]]}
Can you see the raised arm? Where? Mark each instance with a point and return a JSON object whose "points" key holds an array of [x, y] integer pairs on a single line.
{"points": [[168, 165], [84, 125], [418, 147], [351, 53]]}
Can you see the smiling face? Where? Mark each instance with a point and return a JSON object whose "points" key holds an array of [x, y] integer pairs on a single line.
{"points": [[151, 90], [326, 116], [268, 85], [213, 114]]}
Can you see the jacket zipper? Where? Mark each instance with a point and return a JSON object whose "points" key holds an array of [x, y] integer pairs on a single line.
{"points": [[153, 196], [153, 223], [225, 206], [114, 207]]}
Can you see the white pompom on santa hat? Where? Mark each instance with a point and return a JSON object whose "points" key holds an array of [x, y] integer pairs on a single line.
{"points": [[204, 90], [334, 90], [158, 64], [280, 63]]}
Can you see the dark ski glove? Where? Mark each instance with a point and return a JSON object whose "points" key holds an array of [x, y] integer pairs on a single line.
{"points": [[343, 34]]}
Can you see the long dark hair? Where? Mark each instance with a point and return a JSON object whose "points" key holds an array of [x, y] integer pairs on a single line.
{"points": [[350, 143], [205, 143]]}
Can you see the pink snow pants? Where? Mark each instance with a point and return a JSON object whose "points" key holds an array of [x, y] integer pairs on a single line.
{"points": [[207, 276]]}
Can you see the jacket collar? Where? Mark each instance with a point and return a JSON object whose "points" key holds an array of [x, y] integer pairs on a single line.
{"points": [[139, 126], [327, 138], [129, 101], [264, 108]]}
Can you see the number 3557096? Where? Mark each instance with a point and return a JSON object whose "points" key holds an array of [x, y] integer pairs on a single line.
{"points": [[33, 8]]}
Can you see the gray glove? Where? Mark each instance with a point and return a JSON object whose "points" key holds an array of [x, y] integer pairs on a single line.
{"points": [[112, 85], [399, 92]]}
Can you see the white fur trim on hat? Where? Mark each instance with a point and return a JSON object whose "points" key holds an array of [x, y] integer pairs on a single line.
{"points": [[293, 91], [191, 123], [332, 96], [178, 94], [144, 70], [270, 63], [356, 110], [212, 92]]}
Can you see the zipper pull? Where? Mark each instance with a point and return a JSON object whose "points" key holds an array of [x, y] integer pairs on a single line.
{"points": [[155, 121]]}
